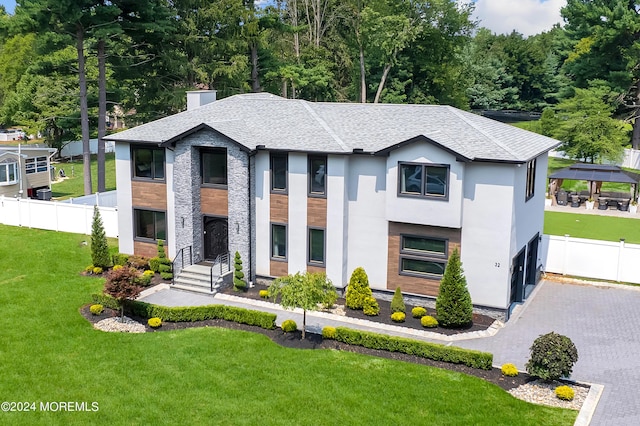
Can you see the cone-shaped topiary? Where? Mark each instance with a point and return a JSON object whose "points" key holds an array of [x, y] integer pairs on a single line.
{"points": [[238, 283], [453, 305], [397, 303], [99, 247], [358, 289]]}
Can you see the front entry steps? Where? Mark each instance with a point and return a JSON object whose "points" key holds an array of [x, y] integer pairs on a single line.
{"points": [[197, 279]]}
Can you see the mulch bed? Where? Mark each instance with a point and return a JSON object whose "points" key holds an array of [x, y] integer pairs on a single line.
{"points": [[479, 323], [315, 341]]}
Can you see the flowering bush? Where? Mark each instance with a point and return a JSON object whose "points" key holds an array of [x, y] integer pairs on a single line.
{"points": [[509, 370], [96, 309], [154, 322]]}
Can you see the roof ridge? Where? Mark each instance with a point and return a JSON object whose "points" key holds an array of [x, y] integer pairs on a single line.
{"points": [[325, 126], [457, 112]]}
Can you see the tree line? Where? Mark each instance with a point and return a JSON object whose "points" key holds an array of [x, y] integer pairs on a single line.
{"points": [[66, 65]]}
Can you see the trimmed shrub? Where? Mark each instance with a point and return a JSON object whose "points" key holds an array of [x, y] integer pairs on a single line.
{"points": [[565, 393], [358, 289], [89, 269], [120, 259], [154, 264], [144, 279], [434, 351], [138, 262], [191, 313], [289, 326], [509, 370], [328, 332], [397, 303], [453, 305], [552, 356], [154, 322], [398, 317], [166, 275], [418, 312], [428, 321], [264, 294], [116, 267], [96, 309], [161, 253], [238, 276], [96, 270], [164, 268], [371, 307]]}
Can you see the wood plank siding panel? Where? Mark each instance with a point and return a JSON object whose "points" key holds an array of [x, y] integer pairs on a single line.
{"points": [[278, 213], [151, 195], [145, 249], [409, 284], [316, 269], [317, 212], [214, 201]]}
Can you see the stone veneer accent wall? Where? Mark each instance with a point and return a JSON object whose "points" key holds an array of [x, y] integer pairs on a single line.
{"points": [[187, 195]]}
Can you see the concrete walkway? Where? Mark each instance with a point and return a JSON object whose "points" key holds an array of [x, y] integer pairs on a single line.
{"points": [[601, 320]]}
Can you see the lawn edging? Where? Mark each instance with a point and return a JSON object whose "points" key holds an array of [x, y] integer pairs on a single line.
{"points": [[191, 313], [433, 351]]}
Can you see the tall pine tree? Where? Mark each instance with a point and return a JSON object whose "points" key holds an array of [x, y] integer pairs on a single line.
{"points": [[453, 305], [99, 246]]}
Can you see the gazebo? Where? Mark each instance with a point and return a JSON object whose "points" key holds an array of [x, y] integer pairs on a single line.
{"points": [[595, 174]]}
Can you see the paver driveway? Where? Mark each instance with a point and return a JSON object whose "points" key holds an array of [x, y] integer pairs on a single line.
{"points": [[604, 324]]}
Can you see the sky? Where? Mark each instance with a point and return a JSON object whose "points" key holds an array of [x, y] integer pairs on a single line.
{"points": [[528, 17]]}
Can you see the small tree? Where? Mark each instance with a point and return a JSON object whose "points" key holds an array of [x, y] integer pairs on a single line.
{"points": [[122, 284], [453, 305], [397, 303], [305, 291], [161, 253], [552, 356], [238, 282], [99, 246], [358, 289]]}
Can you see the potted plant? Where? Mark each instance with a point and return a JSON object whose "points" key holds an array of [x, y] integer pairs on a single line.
{"points": [[633, 207], [590, 203]]}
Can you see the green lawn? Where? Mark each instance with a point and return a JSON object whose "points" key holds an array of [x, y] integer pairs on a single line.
{"points": [[73, 186], [607, 228], [203, 376]]}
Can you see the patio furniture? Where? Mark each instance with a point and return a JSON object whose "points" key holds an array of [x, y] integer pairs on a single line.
{"points": [[562, 197], [575, 200], [603, 203], [623, 205]]}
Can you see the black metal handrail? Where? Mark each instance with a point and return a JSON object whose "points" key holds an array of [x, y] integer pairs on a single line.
{"points": [[221, 259], [181, 253]]}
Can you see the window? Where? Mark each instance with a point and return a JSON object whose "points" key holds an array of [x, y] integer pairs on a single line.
{"points": [[531, 179], [317, 176], [316, 246], [214, 166], [279, 242], [33, 165], [423, 180], [150, 224], [8, 172], [279, 172], [423, 256], [148, 163]]}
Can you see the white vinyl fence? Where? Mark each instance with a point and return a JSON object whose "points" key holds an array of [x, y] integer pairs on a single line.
{"points": [[101, 199], [56, 216], [605, 260], [74, 149]]}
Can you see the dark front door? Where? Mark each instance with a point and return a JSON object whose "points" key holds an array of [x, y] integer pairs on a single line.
{"points": [[216, 237], [517, 278], [532, 260]]}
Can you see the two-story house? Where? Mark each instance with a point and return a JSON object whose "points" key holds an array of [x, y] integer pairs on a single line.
{"points": [[303, 186], [25, 170]]}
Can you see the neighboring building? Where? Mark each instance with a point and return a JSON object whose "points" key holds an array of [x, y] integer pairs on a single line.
{"points": [[24, 171], [295, 185], [12, 135]]}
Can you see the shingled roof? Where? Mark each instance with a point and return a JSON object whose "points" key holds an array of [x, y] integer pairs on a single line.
{"points": [[297, 125]]}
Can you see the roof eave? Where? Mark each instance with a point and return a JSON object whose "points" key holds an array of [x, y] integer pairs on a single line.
{"points": [[421, 138]]}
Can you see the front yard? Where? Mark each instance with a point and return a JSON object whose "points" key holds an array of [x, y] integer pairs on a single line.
{"points": [[50, 353]]}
